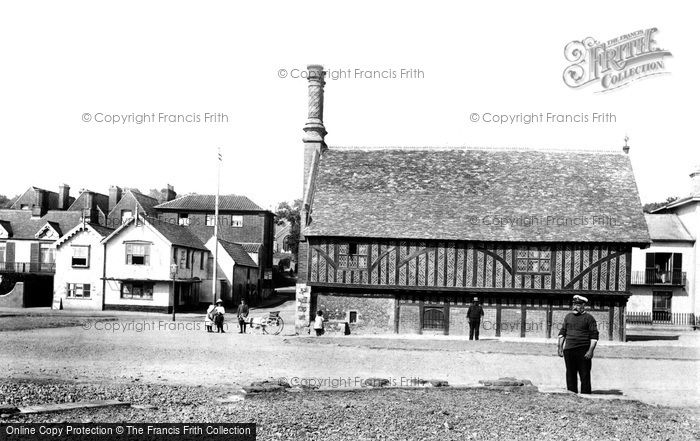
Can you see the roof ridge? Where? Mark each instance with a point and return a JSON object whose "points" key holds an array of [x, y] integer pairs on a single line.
{"points": [[600, 150]]}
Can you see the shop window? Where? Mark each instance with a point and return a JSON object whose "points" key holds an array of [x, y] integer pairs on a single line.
{"points": [[137, 290]]}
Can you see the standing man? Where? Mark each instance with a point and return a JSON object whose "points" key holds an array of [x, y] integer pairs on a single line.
{"points": [[242, 316], [474, 314], [578, 338]]}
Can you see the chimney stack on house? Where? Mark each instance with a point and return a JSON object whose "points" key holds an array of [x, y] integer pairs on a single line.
{"points": [[41, 203], [168, 193], [314, 130], [90, 209], [695, 181], [115, 195], [63, 197]]}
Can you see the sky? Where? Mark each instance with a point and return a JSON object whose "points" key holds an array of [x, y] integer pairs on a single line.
{"points": [[68, 67]]}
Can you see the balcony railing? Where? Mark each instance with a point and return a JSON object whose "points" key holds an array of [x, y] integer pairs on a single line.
{"points": [[662, 318], [653, 277], [27, 267]]}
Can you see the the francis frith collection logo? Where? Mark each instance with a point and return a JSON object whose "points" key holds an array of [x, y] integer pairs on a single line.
{"points": [[614, 63]]}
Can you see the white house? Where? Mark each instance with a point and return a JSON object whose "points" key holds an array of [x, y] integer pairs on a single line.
{"points": [[153, 265], [665, 278], [78, 281]]}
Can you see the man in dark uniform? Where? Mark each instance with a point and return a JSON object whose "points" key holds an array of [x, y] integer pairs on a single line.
{"points": [[474, 314], [578, 338]]}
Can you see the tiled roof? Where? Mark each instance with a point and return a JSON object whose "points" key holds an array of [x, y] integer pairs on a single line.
{"points": [[101, 200], [251, 247], [102, 231], [677, 203], [24, 227], [7, 226], [478, 195], [177, 234], [146, 202], [667, 227], [205, 202], [237, 253]]}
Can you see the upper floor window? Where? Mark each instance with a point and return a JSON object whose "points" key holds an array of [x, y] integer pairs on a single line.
{"points": [[47, 253], [534, 260], [236, 221], [24, 206], [138, 253], [209, 220], [352, 255], [285, 245], [183, 219], [2, 252], [81, 256]]}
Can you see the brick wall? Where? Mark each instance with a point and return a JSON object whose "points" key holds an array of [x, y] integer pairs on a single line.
{"points": [[459, 325], [510, 322], [409, 319], [374, 314], [536, 323]]}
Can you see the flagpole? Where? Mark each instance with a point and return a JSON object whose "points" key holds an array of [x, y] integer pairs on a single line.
{"points": [[216, 226]]}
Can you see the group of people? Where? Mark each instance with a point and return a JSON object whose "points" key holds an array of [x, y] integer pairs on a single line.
{"points": [[576, 342], [215, 317]]}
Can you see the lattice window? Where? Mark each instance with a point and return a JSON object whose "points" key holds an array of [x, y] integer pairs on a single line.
{"points": [[352, 255], [433, 318], [534, 260]]}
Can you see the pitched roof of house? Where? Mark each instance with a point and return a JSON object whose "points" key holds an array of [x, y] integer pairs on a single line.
{"points": [[177, 234], [25, 227], [251, 247], [147, 203], [99, 229], [667, 227], [52, 200], [677, 203], [101, 201], [205, 202], [478, 195], [237, 253]]}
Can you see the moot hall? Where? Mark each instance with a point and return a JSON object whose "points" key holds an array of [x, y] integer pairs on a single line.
{"points": [[401, 240]]}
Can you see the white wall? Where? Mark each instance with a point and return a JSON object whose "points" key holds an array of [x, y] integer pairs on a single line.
{"points": [[690, 216], [65, 273]]}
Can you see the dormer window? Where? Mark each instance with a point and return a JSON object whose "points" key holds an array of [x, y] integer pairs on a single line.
{"points": [[352, 255]]}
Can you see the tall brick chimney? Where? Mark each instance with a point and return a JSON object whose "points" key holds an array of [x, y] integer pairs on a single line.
{"points": [[115, 195], [90, 208], [63, 197], [168, 193], [314, 130], [41, 203], [695, 181]]}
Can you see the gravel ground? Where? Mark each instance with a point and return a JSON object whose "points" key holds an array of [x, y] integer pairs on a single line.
{"points": [[387, 414]]}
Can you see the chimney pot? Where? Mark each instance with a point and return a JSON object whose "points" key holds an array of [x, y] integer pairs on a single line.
{"points": [[40, 206], [314, 128]]}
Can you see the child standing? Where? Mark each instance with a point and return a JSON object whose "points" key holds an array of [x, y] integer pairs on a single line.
{"points": [[318, 323], [209, 319]]}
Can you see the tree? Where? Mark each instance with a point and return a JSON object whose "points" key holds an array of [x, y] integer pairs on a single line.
{"points": [[648, 208], [287, 213], [6, 202]]}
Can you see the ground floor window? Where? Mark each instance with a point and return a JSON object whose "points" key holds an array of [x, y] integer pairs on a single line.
{"points": [[137, 290], [78, 290], [661, 305], [434, 319]]}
